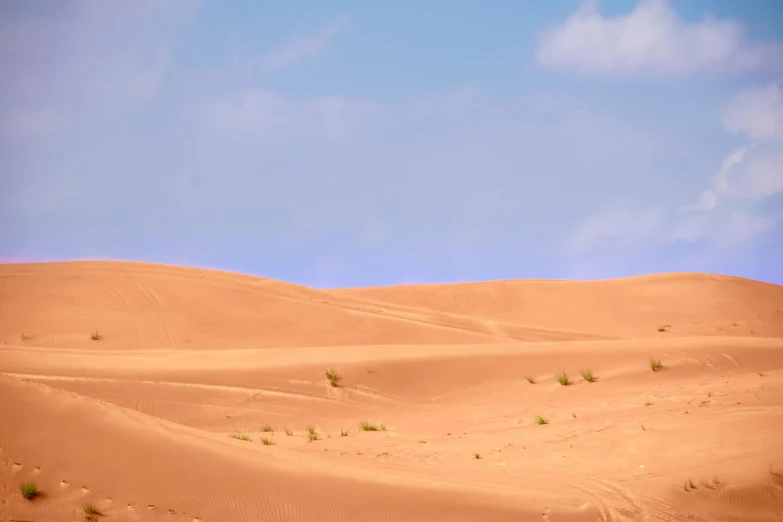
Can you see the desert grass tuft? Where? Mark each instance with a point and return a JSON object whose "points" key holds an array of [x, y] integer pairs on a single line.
{"points": [[656, 365], [333, 378], [312, 434], [562, 378], [29, 490], [588, 375], [95, 335], [25, 336], [530, 379], [542, 420], [664, 327], [648, 403], [289, 431], [691, 484], [266, 428], [343, 433], [477, 456], [240, 435], [371, 426], [267, 441], [91, 512]]}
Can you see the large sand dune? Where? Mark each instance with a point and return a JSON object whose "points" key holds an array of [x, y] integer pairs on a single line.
{"points": [[138, 420]]}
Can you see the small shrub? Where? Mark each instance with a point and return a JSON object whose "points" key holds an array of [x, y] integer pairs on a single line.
{"points": [[530, 379], [333, 378], [91, 512], [343, 433], [26, 336], [267, 429], [542, 420], [239, 435], [95, 335], [664, 327], [371, 426], [562, 378], [588, 375], [289, 431], [29, 490], [648, 403], [656, 365], [267, 441], [312, 433], [477, 456]]}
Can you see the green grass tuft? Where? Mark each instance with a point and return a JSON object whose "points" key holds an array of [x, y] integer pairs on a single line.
{"points": [[312, 434], [371, 426], [542, 420], [562, 378], [267, 441], [239, 435], [91, 512], [266, 428], [343, 433], [588, 375], [656, 365], [29, 490], [333, 378]]}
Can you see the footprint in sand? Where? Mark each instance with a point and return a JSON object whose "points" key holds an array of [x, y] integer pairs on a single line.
{"points": [[37, 469], [16, 467], [196, 519], [109, 500], [152, 508], [85, 489], [172, 512], [64, 483], [131, 507]]}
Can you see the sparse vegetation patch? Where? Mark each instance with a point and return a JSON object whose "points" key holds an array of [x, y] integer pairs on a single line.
{"points": [[588, 375], [267, 441], [343, 433], [656, 365], [312, 434], [562, 378], [333, 378], [371, 426], [26, 336], [239, 435], [530, 379], [29, 490], [542, 420], [91, 512], [267, 429]]}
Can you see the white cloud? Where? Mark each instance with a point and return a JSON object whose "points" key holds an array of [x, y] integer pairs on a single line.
{"points": [[756, 112], [651, 40], [302, 47], [618, 224], [730, 211]]}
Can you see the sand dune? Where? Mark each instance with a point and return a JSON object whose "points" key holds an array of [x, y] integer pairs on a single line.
{"points": [[139, 420]]}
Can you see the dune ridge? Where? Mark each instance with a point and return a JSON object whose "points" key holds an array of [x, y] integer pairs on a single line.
{"points": [[122, 384]]}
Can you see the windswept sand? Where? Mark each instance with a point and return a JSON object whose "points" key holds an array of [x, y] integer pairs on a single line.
{"points": [[137, 422]]}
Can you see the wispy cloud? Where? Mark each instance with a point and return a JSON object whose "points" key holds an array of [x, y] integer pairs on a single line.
{"points": [[651, 40], [731, 210], [302, 47]]}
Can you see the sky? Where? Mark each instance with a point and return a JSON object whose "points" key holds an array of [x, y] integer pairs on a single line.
{"points": [[352, 143]]}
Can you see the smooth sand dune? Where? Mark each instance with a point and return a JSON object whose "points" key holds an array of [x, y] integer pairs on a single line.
{"points": [[138, 421]]}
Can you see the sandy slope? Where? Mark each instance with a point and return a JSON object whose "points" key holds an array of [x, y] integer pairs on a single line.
{"points": [[137, 421]]}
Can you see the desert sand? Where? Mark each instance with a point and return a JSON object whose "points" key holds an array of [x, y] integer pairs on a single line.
{"points": [[123, 385]]}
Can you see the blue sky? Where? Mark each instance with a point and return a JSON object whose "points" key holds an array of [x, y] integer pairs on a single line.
{"points": [[365, 143]]}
